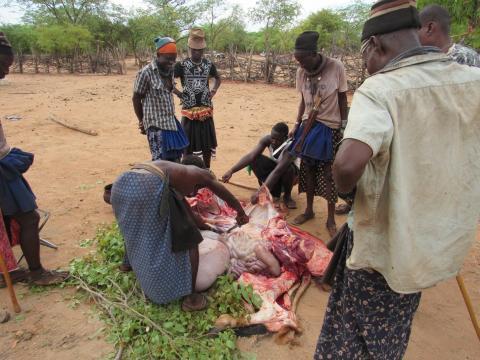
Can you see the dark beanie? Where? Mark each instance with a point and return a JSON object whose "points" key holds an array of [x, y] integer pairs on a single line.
{"points": [[307, 41], [391, 15]]}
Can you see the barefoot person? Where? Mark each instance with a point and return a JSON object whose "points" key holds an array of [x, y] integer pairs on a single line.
{"points": [[317, 77], [411, 150], [263, 165], [160, 231], [435, 31], [154, 106], [197, 108], [17, 200]]}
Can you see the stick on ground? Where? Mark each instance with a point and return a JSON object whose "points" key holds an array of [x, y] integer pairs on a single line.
{"points": [[468, 302], [72, 127], [8, 281], [246, 187]]}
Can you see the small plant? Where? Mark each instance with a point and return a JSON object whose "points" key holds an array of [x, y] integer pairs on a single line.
{"points": [[148, 331]]}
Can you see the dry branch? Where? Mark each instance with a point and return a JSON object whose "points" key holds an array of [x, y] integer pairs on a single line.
{"points": [[73, 127]]}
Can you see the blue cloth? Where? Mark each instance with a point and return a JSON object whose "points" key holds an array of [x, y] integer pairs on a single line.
{"points": [[318, 144], [16, 196], [163, 275], [167, 144]]}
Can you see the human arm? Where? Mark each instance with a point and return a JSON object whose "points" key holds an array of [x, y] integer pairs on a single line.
{"points": [[343, 104], [301, 111], [350, 162], [138, 108], [369, 132], [217, 80], [177, 73], [197, 218], [140, 88], [248, 158], [218, 189]]}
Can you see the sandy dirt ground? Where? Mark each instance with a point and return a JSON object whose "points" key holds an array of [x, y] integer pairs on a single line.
{"points": [[71, 169]]}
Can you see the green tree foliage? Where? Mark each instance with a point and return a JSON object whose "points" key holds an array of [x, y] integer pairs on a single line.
{"points": [[63, 39], [63, 11], [465, 18], [274, 15], [22, 37], [328, 23]]}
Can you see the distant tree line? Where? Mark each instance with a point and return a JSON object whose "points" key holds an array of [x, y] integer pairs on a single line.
{"points": [[97, 35]]}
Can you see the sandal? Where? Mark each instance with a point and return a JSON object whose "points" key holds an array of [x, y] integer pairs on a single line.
{"points": [[302, 219], [189, 306], [19, 275], [48, 277], [342, 209]]}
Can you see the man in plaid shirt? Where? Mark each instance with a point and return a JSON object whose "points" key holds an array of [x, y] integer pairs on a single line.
{"points": [[154, 106]]}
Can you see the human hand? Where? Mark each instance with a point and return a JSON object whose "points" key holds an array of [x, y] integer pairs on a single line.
{"points": [[141, 128], [242, 218], [254, 197], [227, 176], [291, 134]]}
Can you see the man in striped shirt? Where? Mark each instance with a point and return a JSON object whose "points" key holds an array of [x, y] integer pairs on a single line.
{"points": [[154, 106]]}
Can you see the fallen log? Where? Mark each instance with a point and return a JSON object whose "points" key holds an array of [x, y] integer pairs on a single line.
{"points": [[72, 127]]}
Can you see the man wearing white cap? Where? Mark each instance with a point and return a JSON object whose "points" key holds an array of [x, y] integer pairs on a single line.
{"points": [[197, 109]]}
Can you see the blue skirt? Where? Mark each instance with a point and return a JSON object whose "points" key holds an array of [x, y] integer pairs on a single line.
{"points": [[167, 144], [318, 144], [16, 196]]}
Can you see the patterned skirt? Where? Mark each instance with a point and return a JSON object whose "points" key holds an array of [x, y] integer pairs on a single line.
{"points": [[365, 318], [322, 173], [167, 144], [163, 275]]}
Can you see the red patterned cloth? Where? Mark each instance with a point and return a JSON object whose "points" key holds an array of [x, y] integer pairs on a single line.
{"points": [[6, 245]]}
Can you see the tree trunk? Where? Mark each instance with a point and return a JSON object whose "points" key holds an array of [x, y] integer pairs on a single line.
{"points": [[20, 62], [271, 71], [57, 60], [35, 62]]}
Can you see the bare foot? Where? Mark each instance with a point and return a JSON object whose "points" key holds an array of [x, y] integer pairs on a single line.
{"points": [[194, 302], [303, 218], [44, 277], [289, 203]]}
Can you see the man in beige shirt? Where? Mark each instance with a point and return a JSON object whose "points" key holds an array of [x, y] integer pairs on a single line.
{"points": [[411, 151], [17, 201]]}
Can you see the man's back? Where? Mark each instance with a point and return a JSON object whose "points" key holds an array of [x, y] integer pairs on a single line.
{"points": [[416, 207]]}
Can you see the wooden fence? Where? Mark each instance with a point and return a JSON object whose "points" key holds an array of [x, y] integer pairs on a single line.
{"points": [[277, 69], [99, 62]]}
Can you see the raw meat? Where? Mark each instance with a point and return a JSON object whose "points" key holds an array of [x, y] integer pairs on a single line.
{"points": [[297, 252]]}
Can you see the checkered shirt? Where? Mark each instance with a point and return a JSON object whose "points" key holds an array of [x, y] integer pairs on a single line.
{"points": [[158, 105]]}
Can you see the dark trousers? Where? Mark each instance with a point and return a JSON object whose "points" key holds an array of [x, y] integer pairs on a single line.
{"points": [[263, 166]]}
